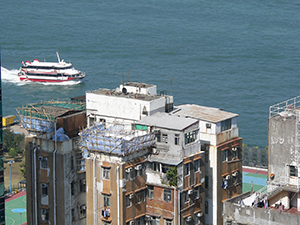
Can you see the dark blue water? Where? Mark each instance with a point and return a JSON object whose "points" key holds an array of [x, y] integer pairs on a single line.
{"points": [[241, 56]]}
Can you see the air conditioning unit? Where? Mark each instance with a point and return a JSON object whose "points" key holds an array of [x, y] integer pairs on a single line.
{"points": [[83, 207], [227, 177], [130, 196], [154, 151], [131, 222], [40, 157], [199, 214], [235, 174], [129, 170], [188, 219], [44, 185], [147, 217], [138, 167], [190, 191], [234, 148]]}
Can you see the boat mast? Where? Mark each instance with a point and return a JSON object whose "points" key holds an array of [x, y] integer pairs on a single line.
{"points": [[58, 57]]}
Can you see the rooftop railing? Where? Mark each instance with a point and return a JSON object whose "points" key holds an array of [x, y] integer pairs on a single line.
{"points": [[284, 106]]}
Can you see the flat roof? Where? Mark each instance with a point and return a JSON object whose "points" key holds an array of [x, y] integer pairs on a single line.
{"points": [[210, 114], [135, 84], [110, 92], [165, 120]]}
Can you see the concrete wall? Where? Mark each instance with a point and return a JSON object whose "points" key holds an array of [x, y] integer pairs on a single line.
{"points": [[241, 214], [122, 107], [281, 145]]}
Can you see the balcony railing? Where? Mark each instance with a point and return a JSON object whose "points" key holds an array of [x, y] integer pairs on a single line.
{"points": [[192, 148], [227, 135]]}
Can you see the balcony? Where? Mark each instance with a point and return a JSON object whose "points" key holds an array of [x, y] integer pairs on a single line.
{"points": [[227, 135], [192, 148]]}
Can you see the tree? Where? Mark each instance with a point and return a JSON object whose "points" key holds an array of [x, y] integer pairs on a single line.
{"points": [[12, 140], [172, 176], [13, 153]]}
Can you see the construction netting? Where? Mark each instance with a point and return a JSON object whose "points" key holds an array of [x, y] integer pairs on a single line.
{"points": [[41, 117], [115, 139]]}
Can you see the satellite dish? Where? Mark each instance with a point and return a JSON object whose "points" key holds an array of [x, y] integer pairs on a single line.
{"points": [[124, 90]]}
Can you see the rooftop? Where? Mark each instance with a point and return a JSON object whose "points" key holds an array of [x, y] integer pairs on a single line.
{"points": [[110, 92], [165, 120], [135, 84], [209, 114]]}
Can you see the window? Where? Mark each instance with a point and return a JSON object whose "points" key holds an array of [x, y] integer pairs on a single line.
{"points": [[164, 138], [234, 152], [226, 125], [139, 170], [128, 200], [167, 195], [140, 196], [206, 207], [128, 173], [82, 211], [197, 165], [197, 192], [106, 173], [150, 192], [106, 199], [140, 221], [190, 137], [176, 139], [206, 181], [72, 162], [44, 162], [73, 187], [206, 153], [197, 220], [186, 197], [225, 155], [44, 189], [168, 222], [82, 186], [73, 214], [45, 215], [157, 135], [186, 169], [208, 125], [293, 171]]}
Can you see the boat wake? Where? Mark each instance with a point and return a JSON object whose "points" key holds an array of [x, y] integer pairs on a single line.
{"points": [[11, 76]]}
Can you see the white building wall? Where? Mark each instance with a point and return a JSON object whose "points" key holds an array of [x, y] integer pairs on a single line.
{"points": [[121, 107]]}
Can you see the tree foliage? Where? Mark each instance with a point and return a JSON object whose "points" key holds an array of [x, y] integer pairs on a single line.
{"points": [[13, 141], [172, 176]]}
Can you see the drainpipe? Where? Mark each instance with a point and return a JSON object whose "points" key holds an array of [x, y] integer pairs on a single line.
{"points": [[118, 193], [54, 179], [35, 188], [175, 211], [94, 191]]}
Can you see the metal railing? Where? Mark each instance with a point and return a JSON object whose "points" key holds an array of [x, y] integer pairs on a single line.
{"points": [[284, 106]]}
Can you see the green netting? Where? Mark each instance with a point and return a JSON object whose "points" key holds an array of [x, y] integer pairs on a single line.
{"points": [[141, 127]]}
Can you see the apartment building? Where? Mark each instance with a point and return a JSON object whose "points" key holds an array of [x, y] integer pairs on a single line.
{"points": [[56, 192], [219, 137], [279, 201], [199, 144]]}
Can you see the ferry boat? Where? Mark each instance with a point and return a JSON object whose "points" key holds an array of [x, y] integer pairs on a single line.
{"points": [[49, 71]]}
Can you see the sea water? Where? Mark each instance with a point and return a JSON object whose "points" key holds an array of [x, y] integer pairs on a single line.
{"points": [[240, 56]]}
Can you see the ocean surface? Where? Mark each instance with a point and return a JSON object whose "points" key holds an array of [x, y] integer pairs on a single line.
{"points": [[240, 56]]}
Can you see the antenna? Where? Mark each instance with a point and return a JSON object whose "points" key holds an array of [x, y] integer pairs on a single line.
{"points": [[128, 76], [58, 57]]}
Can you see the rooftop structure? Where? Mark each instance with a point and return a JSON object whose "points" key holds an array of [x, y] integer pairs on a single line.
{"points": [[204, 113]]}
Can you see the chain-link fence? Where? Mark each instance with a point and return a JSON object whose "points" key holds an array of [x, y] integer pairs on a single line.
{"points": [[255, 157]]}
